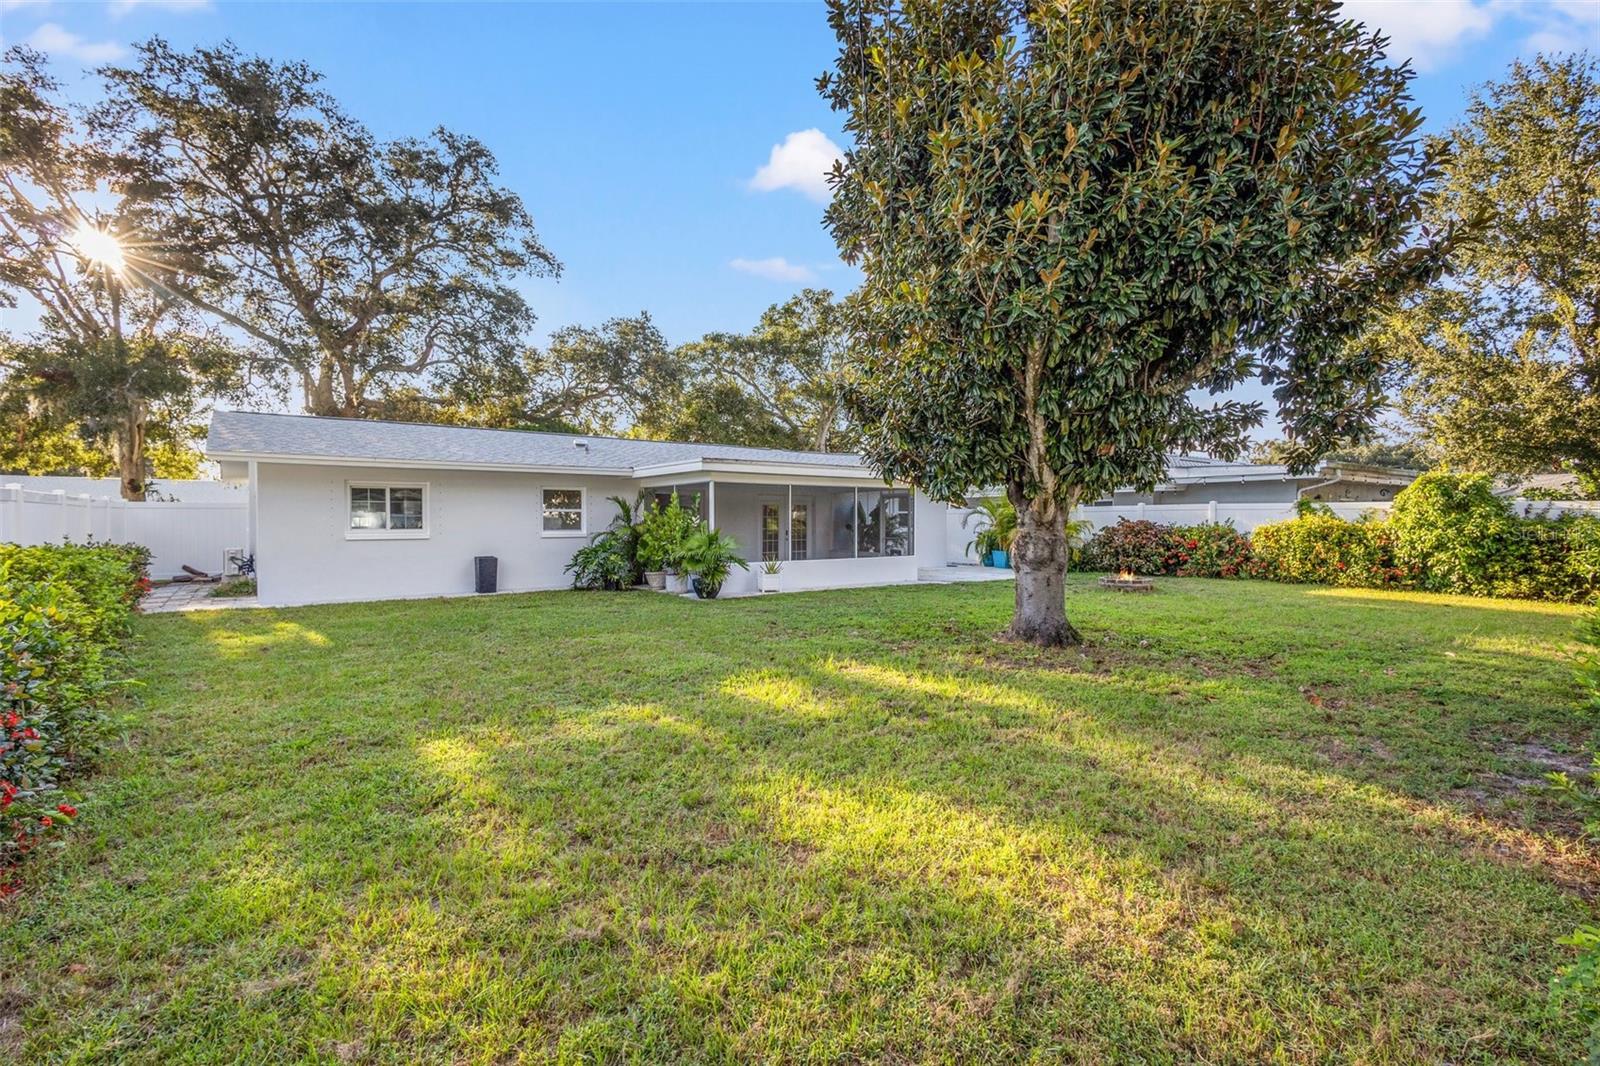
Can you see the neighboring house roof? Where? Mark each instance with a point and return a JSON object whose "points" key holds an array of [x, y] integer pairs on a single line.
{"points": [[244, 435], [1184, 471], [1540, 482]]}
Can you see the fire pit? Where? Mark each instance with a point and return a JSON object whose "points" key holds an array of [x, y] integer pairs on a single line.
{"points": [[1128, 582]]}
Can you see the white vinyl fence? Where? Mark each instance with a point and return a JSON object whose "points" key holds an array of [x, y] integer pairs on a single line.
{"points": [[1244, 517], [1554, 508], [177, 533]]}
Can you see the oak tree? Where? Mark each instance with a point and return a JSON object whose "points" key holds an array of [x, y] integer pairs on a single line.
{"points": [[356, 264], [790, 367], [1503, 360], [117, 352]]}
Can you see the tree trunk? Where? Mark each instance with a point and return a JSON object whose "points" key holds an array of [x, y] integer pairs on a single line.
{"points": [[318, 388], [128, 444], [1039, 556]]}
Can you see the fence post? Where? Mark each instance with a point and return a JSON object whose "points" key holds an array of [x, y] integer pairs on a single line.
{"points": [[1211, 511], [1139, 510], [88, 516], [59, 498], [11, 515]]}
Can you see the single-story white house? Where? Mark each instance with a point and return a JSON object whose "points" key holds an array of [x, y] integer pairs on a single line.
{"points": [[346, 509], [350, 509]]}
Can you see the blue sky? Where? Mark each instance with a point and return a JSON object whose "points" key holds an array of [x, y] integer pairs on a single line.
{"points": [[640, 135]]}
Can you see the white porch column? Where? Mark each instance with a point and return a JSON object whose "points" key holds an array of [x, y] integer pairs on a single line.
{"points": [[250, 510], [711, 503], [788, 524]]}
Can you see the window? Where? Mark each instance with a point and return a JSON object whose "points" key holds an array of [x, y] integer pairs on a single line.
{"points": [[883, 522], [387, 511], [797, 531], [563, 512]]}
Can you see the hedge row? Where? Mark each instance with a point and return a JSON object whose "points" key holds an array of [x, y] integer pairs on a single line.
{"points": [[65, 611], [1445, 533]]}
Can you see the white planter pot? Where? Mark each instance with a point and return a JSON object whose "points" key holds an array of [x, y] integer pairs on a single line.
{"points": [[677, 582], [656, 579], [769, 582]]}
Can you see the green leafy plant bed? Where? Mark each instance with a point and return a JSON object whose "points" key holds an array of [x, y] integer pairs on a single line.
{"points": [[237, 587], [64, 612], [1445, 533], [1263, 822]]}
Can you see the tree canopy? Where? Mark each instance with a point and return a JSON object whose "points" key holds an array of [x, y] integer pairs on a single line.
{"points": [[1400, 452], [790, 369], [1071, 217], [117, 352], [356, 265], [1503, 361]]}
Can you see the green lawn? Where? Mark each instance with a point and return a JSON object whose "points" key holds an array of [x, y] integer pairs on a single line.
{"points": [[1251, 822]]}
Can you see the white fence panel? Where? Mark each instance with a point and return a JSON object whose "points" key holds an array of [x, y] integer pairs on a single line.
{"points": [[1555, 508], [1245, 517], [196, 534]]}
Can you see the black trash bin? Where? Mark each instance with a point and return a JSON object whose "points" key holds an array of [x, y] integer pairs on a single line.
{"points": [[487, 569]]}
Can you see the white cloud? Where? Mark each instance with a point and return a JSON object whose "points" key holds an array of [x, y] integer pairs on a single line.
{"points": [[122, 7], [776, 268], [1424, 31], [12, 5], [1558, 26], [50, 38], [802, 163]]}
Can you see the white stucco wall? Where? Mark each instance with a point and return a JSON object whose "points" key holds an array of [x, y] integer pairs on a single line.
{"points": [[304, 556], [303, 553]]}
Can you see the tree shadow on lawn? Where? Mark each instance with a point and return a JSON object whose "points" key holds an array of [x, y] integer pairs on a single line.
{"points": [[885, 853]]}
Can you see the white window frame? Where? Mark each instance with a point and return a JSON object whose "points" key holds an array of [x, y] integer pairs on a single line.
{"points": [[583, 511], [388, 534]]}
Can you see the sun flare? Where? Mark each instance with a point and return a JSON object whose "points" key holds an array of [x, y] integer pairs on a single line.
{"points": [[98, 246]]}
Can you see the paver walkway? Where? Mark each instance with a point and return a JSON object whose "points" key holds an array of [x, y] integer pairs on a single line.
{"points": [[190, 596]]}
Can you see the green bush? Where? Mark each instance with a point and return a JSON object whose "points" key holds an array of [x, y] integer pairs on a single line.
{"points": [[1324, 550], [1212, 549], [1454, 534], [663, 533], [603, 563], [1131, 546], [64, 609], [108, 578], [1139, 546]]}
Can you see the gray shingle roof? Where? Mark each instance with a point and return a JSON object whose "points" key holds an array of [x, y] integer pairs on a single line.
{"points": [[304, 436]]}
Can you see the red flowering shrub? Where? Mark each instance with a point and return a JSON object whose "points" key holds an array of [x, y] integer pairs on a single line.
{"points": [[1211, 550], [63, 612], [1143, 547]]}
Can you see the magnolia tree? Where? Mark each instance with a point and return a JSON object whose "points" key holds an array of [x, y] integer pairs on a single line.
{"points": [[1073, 218]]}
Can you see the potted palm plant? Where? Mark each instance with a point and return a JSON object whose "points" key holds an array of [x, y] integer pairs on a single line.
{"points": [[662, 534], [767, 577], [996, 520], [710, 555]]}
